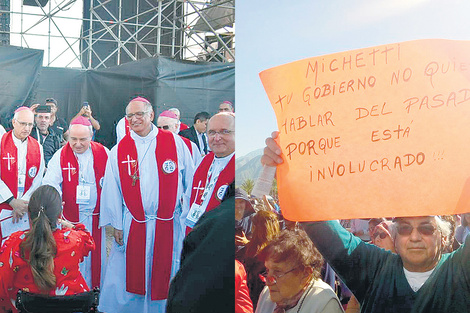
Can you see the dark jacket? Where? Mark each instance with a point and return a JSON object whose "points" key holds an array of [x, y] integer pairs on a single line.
{"points": [[50, 143], [205, 281], [191, 134]]}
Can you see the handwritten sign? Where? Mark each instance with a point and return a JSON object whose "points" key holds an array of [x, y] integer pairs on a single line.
{"points": [[374, 132]]}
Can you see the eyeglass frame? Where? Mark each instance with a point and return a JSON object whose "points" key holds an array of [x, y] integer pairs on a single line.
{"points": [[24, 124], [140, 114], [419, 229], [274, 278], [382, 235], [165, 127], [223, 132]]}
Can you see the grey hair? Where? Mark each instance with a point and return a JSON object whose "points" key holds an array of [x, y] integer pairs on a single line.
{"points": [[442, 225], [148, 105], [90, 128], [15, 116]]}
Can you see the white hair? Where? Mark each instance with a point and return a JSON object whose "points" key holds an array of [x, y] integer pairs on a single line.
{"points": [[15, 116], [90, 128], [442, 225], [148, 105]]}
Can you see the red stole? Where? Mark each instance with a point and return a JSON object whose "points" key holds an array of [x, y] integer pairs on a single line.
{"points": [[226, 177], [70, 176], [167, 166], [188, 144], [127, 127], [9, 163]]}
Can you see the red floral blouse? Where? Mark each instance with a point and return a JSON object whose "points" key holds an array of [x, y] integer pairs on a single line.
{"points": [[15, 273]]}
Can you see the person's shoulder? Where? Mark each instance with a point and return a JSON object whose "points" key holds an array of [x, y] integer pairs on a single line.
{"points": [[320, 286], [184, 132], [188, 131], [320, 294], [13, 242], [75, 234]]}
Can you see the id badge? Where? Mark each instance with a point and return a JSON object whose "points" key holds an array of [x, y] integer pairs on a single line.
{"points": [[21, 182], [83, 194], [194, 214]]}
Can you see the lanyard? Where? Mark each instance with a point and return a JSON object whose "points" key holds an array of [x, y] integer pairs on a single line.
{"points": [[82, 169], [209, 181]]}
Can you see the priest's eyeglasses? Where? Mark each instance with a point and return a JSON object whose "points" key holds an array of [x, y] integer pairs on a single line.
{"points": [[136, 114], [271, 279], [223, 132], [425, 229], [166, 127], [24, 124]]}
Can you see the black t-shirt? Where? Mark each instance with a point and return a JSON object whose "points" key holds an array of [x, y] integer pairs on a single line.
{"points": [[60, 126]]}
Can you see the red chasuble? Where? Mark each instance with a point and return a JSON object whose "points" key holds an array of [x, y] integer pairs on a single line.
{"points": [[70, 173], [9, 164], [188, 144], [226, 177], [167, 167]]}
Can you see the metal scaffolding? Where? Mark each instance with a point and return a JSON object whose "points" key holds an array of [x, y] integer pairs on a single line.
{"points": [[112, 32]]}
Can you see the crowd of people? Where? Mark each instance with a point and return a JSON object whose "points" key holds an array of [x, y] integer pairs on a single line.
{"points": [[419, 266], [60, 191], [394, 264]]}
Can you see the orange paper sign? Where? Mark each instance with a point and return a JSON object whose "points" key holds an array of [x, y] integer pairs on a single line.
{"points": [[375, 132]]}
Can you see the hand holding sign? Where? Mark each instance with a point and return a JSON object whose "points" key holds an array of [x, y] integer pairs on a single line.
{"points": [[381, 131]]}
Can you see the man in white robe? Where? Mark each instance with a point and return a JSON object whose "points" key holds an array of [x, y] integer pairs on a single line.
{"points": [[142, 169], [169, 121], [28, 175], [85, 190], [122, 129]]}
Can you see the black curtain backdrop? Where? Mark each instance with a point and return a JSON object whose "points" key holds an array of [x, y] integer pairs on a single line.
{"points": [[190, 87]]}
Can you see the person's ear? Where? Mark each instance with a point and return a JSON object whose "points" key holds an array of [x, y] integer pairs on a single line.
{"points": [[308, 271]]}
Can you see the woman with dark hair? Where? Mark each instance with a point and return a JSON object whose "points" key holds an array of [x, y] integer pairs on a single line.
{"points": [[293, 283], [265, 227], [44, 260]]}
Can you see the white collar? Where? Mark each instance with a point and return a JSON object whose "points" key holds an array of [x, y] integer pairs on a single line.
{"points": [[149, 137], [17, 141], [224, 159]]}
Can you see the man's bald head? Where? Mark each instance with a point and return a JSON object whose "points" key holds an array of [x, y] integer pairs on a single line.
{"points": [[221, 134]]}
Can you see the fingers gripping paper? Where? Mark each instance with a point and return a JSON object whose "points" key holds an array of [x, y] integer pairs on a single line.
{"points": [[381, 131]]}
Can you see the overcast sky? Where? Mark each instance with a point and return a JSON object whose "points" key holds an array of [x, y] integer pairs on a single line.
{"points": [[274, 32]]}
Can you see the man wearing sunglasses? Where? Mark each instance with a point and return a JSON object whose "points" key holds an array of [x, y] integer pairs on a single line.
{"points": [[167, 120], [419, 278]]}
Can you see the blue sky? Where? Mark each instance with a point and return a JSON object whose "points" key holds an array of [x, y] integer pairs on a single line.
{"points": [[274, 32]]}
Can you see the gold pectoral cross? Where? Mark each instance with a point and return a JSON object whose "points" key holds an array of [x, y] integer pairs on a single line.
{"points": [[135, 177]]}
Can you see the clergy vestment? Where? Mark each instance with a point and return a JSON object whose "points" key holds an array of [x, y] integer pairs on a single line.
{"points": [[126, 175], [209, 184], [83, 173], [122, 129], [21, 170], [194, 150]]}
